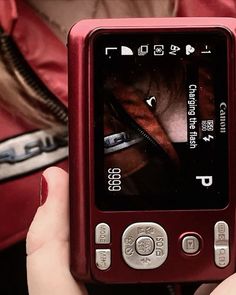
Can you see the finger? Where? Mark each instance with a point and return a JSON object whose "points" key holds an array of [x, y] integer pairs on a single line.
{"points": [[205, 289], [53, 214], [228, 286], [48, 241]]}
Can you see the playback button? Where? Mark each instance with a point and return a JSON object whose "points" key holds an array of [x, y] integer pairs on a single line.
{"points": [[190, 244], [221, 244]]}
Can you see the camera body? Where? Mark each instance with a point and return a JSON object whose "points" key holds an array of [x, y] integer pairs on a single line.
{"points": [[152, 149]]}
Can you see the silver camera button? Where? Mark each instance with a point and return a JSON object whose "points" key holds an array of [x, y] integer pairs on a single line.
{"points": [[103, 258], [144, 245], [102, 234], [221, 244], [190, 244]]}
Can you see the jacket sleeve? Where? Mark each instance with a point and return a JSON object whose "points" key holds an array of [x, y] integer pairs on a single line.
{"points": [[221, 8]]}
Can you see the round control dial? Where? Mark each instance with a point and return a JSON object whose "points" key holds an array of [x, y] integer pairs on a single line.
{"points": [[144, 245]]}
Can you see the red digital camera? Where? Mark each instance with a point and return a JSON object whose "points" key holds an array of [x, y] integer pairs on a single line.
{"points": [[152, 149]]}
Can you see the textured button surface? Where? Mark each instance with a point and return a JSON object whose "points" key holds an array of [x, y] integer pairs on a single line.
{"points": [[144, 245], [103, 258], [102, 234], [221, 244], [190, 244]]}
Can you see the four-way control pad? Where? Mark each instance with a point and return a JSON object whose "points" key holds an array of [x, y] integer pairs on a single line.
{"points": [[144, 245]]}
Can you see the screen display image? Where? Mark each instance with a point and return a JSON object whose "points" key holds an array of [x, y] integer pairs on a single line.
{"points": [[160, 120]]}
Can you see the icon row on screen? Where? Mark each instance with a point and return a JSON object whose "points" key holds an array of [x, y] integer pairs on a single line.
{"points": [[157, 50]]}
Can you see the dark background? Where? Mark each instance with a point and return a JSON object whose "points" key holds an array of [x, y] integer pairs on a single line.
{"points": [[13, 279]]}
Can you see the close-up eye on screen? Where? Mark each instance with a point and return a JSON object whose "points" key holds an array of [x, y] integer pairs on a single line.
{"points": [[160, 120]]}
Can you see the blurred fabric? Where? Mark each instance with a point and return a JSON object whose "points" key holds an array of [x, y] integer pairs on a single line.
{"points": [[226, 8]]}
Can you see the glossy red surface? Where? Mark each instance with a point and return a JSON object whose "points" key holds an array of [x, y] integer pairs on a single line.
{"points": [[178, 266]]}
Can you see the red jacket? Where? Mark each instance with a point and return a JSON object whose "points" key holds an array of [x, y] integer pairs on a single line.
{"points": [[46, 55], [224, 8]]}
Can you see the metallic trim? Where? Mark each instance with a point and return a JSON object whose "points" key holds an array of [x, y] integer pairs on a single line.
{"points": [[119, 141], [31, 151]]}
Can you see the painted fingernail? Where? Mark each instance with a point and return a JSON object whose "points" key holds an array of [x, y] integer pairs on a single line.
{"points": [[43, 190]]}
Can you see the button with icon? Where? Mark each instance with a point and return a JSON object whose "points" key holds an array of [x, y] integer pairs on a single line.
{"points": [[190, 244]]}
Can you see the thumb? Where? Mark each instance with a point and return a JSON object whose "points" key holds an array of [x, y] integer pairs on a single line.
{"points": [[47, 242], [205, 289], [228, 286]]}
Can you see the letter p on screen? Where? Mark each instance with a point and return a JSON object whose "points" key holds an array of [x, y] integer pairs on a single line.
{"points": [[205, 180]]}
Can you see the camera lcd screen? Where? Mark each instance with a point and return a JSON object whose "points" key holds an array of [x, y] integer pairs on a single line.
{"points": [[160, 120]]}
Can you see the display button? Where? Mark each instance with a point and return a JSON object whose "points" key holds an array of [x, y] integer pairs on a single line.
{"points": [[221, 244], [102, 234], [190, 244], [103, 258], [144, 245]]}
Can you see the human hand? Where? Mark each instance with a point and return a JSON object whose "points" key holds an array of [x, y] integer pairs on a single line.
{"points": [[48, 245], [47, 242], [227, 287]]}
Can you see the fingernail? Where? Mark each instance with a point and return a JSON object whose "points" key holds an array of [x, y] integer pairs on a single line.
{"points": [[43, 190]]}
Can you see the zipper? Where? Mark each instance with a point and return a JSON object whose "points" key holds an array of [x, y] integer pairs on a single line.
{"points": [[126, 118], [14, 59]]}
